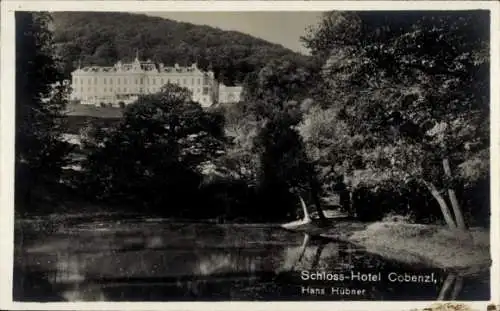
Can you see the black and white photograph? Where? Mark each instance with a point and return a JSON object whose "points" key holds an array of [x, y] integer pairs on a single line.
{"points": [[214, 156]]}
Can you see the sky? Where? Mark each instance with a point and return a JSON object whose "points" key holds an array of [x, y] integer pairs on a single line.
{"points": [[284, 28]]}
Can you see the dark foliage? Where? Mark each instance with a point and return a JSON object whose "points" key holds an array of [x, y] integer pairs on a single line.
{"points": [[75, 124], [151, 160], [407, 93], [40, 102]]}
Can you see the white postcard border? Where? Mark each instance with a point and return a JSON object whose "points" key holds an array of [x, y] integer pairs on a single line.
{"points": [[7, 142]]}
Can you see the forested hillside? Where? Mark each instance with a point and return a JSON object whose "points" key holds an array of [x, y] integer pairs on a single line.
{"points": [[101, 38]]}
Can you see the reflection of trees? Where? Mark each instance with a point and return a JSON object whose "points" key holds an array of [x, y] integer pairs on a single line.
{"points": [[317, 256], [450, 289], [453, 282], [342, 254], [236, 268], [68, 279], [220, 263], [69, 268], [302, 250]]}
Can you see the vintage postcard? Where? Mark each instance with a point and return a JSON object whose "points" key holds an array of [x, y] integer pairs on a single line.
{"points": [[163, 155]]}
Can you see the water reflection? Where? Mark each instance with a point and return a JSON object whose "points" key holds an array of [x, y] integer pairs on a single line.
{"points": [[206, 262], [450, 289], [452, 280]]}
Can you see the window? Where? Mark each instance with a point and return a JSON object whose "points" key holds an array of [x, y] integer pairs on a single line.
{"points": [[136, 81], [110, 80], [162, 81], [199, 81], [192, 81], [104, 79], [118, 82], [105, 90], [205, 91], [184, 82], [125, 81], [142, 80], [154, 81]]}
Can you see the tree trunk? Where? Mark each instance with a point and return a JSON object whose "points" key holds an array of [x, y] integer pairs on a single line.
{"points": [[442, 204], [352, 211], [319, 209], [453, 199], [306, 217], [315, 197]]}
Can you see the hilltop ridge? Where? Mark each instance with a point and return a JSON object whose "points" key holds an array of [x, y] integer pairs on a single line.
{"points": [[102, 38]]}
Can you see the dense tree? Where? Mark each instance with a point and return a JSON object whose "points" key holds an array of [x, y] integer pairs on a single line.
{"points": [[40, 101], [156, 155], [241, 128], [414, 87], [266, 149], [285, 171], [281, 81], [330, 146]]}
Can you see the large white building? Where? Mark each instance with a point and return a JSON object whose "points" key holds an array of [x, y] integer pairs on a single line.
{"points": [[122, 83]]}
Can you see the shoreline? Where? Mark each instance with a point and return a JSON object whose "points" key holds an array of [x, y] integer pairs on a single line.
{"points": [[435, 246]]}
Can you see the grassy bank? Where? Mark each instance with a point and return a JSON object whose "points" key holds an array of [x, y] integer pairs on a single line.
{"points": [[436, 246]]}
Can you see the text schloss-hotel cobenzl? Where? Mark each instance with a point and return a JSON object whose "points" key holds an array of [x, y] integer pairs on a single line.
{"points": [[395, 277]]}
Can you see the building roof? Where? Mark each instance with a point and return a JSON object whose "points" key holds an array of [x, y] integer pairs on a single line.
{"points": [[137, 65], [236, 88]]}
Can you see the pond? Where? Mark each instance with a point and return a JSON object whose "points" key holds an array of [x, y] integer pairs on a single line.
{"points": [[161, 261]]}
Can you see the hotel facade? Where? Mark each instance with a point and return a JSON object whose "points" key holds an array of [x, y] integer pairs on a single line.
{"points": [[123, 83]]}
